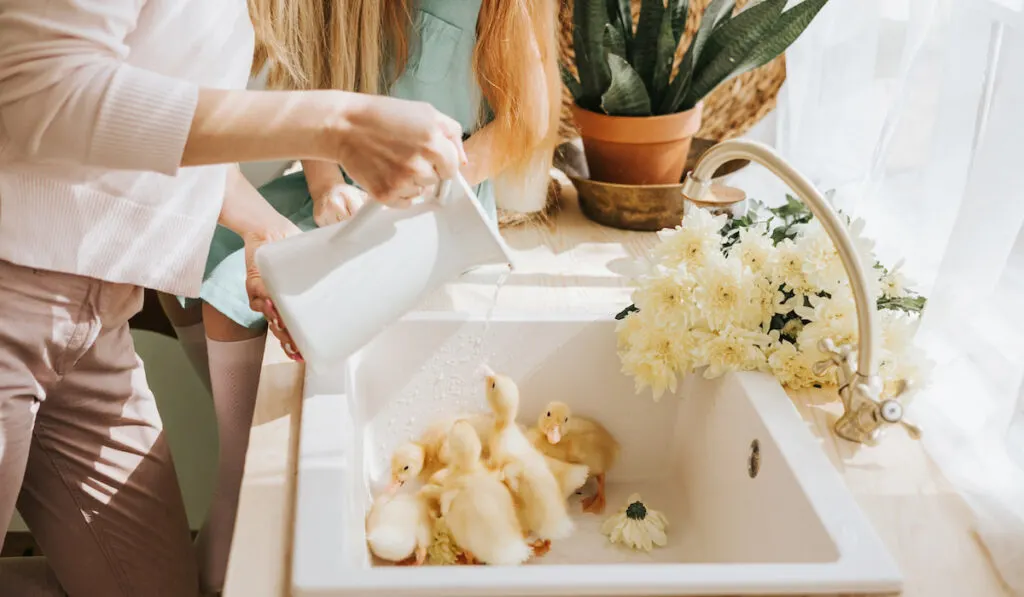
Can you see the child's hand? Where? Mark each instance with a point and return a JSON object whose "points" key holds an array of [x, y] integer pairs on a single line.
{"points": [[337, 204], [259, 300]]}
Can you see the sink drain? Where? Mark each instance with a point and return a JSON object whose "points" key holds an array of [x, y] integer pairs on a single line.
{"points": [[754, 460]]}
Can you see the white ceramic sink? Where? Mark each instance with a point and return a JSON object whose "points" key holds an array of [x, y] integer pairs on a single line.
{"points": [[785, 525]]}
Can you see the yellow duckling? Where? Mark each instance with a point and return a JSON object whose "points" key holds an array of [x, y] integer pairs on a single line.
{"points": [[570, 476], [578, 440], [399, 527], [541, 498], [476, 506], [422, 458]]}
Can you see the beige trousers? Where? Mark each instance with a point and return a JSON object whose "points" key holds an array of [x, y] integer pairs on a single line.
{"points": [[82, 450]]}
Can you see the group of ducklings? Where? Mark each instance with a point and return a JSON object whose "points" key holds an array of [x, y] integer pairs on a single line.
{"points": [[490, 484]]}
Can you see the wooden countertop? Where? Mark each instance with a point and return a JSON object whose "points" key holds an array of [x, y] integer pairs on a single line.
{"points": [[573, 264]]}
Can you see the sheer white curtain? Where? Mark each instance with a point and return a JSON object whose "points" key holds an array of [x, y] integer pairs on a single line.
{"points": [[913, 110]]}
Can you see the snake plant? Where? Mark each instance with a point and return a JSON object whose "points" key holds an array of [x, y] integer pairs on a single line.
{"points": [[627, 71]]}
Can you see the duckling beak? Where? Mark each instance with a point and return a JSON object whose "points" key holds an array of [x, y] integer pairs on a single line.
{"points": [[554, 435], [394, 487]]}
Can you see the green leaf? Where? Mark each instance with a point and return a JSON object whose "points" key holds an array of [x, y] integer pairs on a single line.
{"points": [[590, 92], [619, 13], [781, 234], [713, 45], [626, 312], [588, 44], [645, 44], [786, 30], [570, 81], [715, 14], [614, 41], [725, 19], [736, 39], [679, 10], [793, 208], [908, 304], [626, 96], [673, 99], [666, 54]]}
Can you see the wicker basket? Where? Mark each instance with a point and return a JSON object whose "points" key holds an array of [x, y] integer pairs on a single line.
{"points": [[509, 219]]}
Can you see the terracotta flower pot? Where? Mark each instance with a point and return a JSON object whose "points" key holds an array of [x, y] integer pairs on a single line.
{"points": [[637, 150]]}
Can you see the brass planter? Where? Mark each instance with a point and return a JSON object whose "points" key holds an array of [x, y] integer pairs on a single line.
{"points": [[645, 208]]}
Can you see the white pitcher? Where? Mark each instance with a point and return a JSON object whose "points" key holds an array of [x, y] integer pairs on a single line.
{"points": [[339, 286]]}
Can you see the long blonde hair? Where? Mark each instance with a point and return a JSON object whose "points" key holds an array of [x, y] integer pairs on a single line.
{"points": [[353, 44]]}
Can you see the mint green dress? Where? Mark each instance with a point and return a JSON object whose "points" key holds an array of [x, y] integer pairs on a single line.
{"points": [[439, 71]]}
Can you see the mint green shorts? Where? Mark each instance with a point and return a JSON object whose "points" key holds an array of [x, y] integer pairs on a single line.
{"points": [[224, 279]]}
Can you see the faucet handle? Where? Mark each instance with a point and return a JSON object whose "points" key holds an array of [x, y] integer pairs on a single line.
{"points": [[890, 410], [838, 356]]}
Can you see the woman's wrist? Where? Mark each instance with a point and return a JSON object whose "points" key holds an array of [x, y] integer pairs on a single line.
{"points": [[232, 126]]}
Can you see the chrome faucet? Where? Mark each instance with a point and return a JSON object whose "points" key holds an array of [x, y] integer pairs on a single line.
{"points": [[865, 413]]}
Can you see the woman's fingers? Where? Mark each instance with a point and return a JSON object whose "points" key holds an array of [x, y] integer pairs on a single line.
{"points": [[444, 157], [425, 174], [278, 329], [394, 147]]}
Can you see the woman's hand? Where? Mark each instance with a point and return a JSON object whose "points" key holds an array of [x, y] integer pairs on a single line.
{"points": [[259, 300], [397, 149], [393, 148]]}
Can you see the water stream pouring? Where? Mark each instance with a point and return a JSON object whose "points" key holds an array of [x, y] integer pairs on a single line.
{"points": [[337, 287]]}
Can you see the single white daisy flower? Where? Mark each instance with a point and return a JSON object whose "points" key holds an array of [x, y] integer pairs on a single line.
{"points": [[636, 526]]}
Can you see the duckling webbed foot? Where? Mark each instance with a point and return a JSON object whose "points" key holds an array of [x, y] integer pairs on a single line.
{"points": [[595, 503], [467, 559], [541, 547], [409, 561]]}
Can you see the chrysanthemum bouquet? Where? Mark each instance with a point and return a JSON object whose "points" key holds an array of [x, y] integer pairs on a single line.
{"points": [[758, 293]]}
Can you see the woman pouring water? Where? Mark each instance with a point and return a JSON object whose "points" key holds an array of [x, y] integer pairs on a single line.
{"points": [[113, 118]]}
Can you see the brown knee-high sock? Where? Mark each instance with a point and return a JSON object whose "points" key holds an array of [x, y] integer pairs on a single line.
{"points": [[234, 377]]}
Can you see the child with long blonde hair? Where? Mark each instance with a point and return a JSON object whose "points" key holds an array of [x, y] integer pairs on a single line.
{"points": [[491, 65]]}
